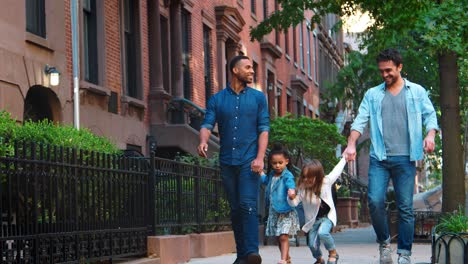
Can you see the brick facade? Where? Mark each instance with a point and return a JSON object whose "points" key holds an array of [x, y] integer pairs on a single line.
{"points": [[105, 106]]}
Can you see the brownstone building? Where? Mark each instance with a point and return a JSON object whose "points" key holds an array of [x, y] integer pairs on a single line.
{"points": [[148, 67]]}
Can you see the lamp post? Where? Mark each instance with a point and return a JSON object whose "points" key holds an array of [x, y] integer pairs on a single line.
{"points": [[75, 59]]}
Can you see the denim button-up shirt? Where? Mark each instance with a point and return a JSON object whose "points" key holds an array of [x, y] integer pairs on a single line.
{"points": [[241, 118], [420, 112]]}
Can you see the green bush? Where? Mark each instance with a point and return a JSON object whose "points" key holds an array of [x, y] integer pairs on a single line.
{"points": [[49, 133], [307, 138], [453, 223]]}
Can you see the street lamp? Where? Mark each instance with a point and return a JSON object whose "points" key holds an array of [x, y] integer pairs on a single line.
{"points": [[54, 75]]}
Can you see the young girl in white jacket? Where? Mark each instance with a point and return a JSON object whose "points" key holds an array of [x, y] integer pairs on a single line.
{"points": [[315, 193]]}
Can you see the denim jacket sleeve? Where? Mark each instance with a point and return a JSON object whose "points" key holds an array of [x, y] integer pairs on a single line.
{"points": [[428, 114], [289, 180], [210, 115], [361, 120]]}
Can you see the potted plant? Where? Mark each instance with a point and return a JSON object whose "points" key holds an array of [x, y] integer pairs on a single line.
{"points": [[450, 238]]}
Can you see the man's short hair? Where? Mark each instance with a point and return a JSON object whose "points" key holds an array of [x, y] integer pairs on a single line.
{"points": [[235, 60], [390, 55]]}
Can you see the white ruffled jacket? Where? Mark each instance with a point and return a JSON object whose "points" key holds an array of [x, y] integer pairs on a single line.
{"points": [[311, 206]]}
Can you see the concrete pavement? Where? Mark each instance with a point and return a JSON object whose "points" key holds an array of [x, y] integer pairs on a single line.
{"points": [[353, 245]]}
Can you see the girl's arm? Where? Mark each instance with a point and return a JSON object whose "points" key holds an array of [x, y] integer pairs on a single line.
{"points": [[263, 177], [336, 172], [294, 202]]}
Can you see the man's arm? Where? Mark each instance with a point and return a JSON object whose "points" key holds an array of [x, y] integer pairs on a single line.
{"points": [[350, 151], [429, 117], [258, 163], [206, 127], [204, 137]]}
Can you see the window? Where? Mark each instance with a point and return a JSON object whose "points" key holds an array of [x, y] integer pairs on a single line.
{"points": [[252, 6], [286, 42], [308, 50], [35, 17], [131, 48], [255, 77], [265, 9], [289, 102], [314, 50], [165, 54], [301, 48], [299, 107], [90, 47], [207, 61], [294, 44], [186, 23], [277, 31]]}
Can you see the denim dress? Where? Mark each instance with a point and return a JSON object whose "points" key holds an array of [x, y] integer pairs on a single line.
{"points": [[281, 223]]}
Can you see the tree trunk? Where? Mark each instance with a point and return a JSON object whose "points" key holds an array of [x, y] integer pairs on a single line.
{"points": [[466, 164], [453, 179]]}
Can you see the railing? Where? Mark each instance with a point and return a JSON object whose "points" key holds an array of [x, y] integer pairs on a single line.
{"points": [[450, 248], [60, 205], [189, 198], [358, 189], [183, 111]]}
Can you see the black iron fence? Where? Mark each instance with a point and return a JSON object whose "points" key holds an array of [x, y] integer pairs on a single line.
{"points": [[189, 198], [61, 205], [449, 248]]}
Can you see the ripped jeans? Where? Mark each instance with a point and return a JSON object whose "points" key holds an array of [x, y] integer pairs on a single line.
{"points": [[242, 187]]}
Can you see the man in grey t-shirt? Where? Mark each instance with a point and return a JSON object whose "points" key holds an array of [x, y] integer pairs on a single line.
{"points": [[396, 112]]}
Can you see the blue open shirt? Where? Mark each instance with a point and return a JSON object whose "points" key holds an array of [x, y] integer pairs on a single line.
{"points": [[241, 118], [420, 113]]}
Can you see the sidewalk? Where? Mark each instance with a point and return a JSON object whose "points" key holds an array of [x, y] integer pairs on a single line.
{"points": [[353, 245]]}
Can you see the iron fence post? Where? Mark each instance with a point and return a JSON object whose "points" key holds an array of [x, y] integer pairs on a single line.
{"points": [[151, 194], [197, 197]]}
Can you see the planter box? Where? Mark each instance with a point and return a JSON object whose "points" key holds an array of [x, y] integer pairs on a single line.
{"points": [[450, 248], [212, 244], [347, 211]]}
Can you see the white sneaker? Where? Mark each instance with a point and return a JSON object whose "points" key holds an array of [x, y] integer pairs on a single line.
{"points": [[404, 259], [385, 254]]}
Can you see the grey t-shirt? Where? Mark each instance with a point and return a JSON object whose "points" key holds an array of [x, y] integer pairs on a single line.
{"points": [[395, 124]]}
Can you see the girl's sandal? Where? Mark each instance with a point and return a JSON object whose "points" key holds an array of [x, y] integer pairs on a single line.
{"points": [[322, 261], [288, 261], [336, 257], [282, 261]]}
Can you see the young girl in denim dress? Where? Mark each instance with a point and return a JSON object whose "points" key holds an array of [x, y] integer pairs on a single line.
{"points": [[314, 190], [282, 218]]}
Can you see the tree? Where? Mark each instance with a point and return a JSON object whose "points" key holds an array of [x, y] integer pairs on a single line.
{"points": [[307, 138], [433, 29]]}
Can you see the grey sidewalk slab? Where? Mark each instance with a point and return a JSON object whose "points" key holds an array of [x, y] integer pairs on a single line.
{"points": [[353, 245]]}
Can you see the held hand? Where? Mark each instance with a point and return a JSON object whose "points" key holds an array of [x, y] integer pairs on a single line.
{"points": [[257, 165], [350, 153], [202, 149], [291, 194], [429, 143]]}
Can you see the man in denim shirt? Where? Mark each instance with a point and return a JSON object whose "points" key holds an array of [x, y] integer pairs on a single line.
{"points": [[396, 112], [242, 116]]}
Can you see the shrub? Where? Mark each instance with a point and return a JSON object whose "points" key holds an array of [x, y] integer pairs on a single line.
{"points": [[453, 223], [49, 133]]}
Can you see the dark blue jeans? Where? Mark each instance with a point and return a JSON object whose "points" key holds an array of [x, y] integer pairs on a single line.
{"points": [[242, 186], [402, 171]]}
